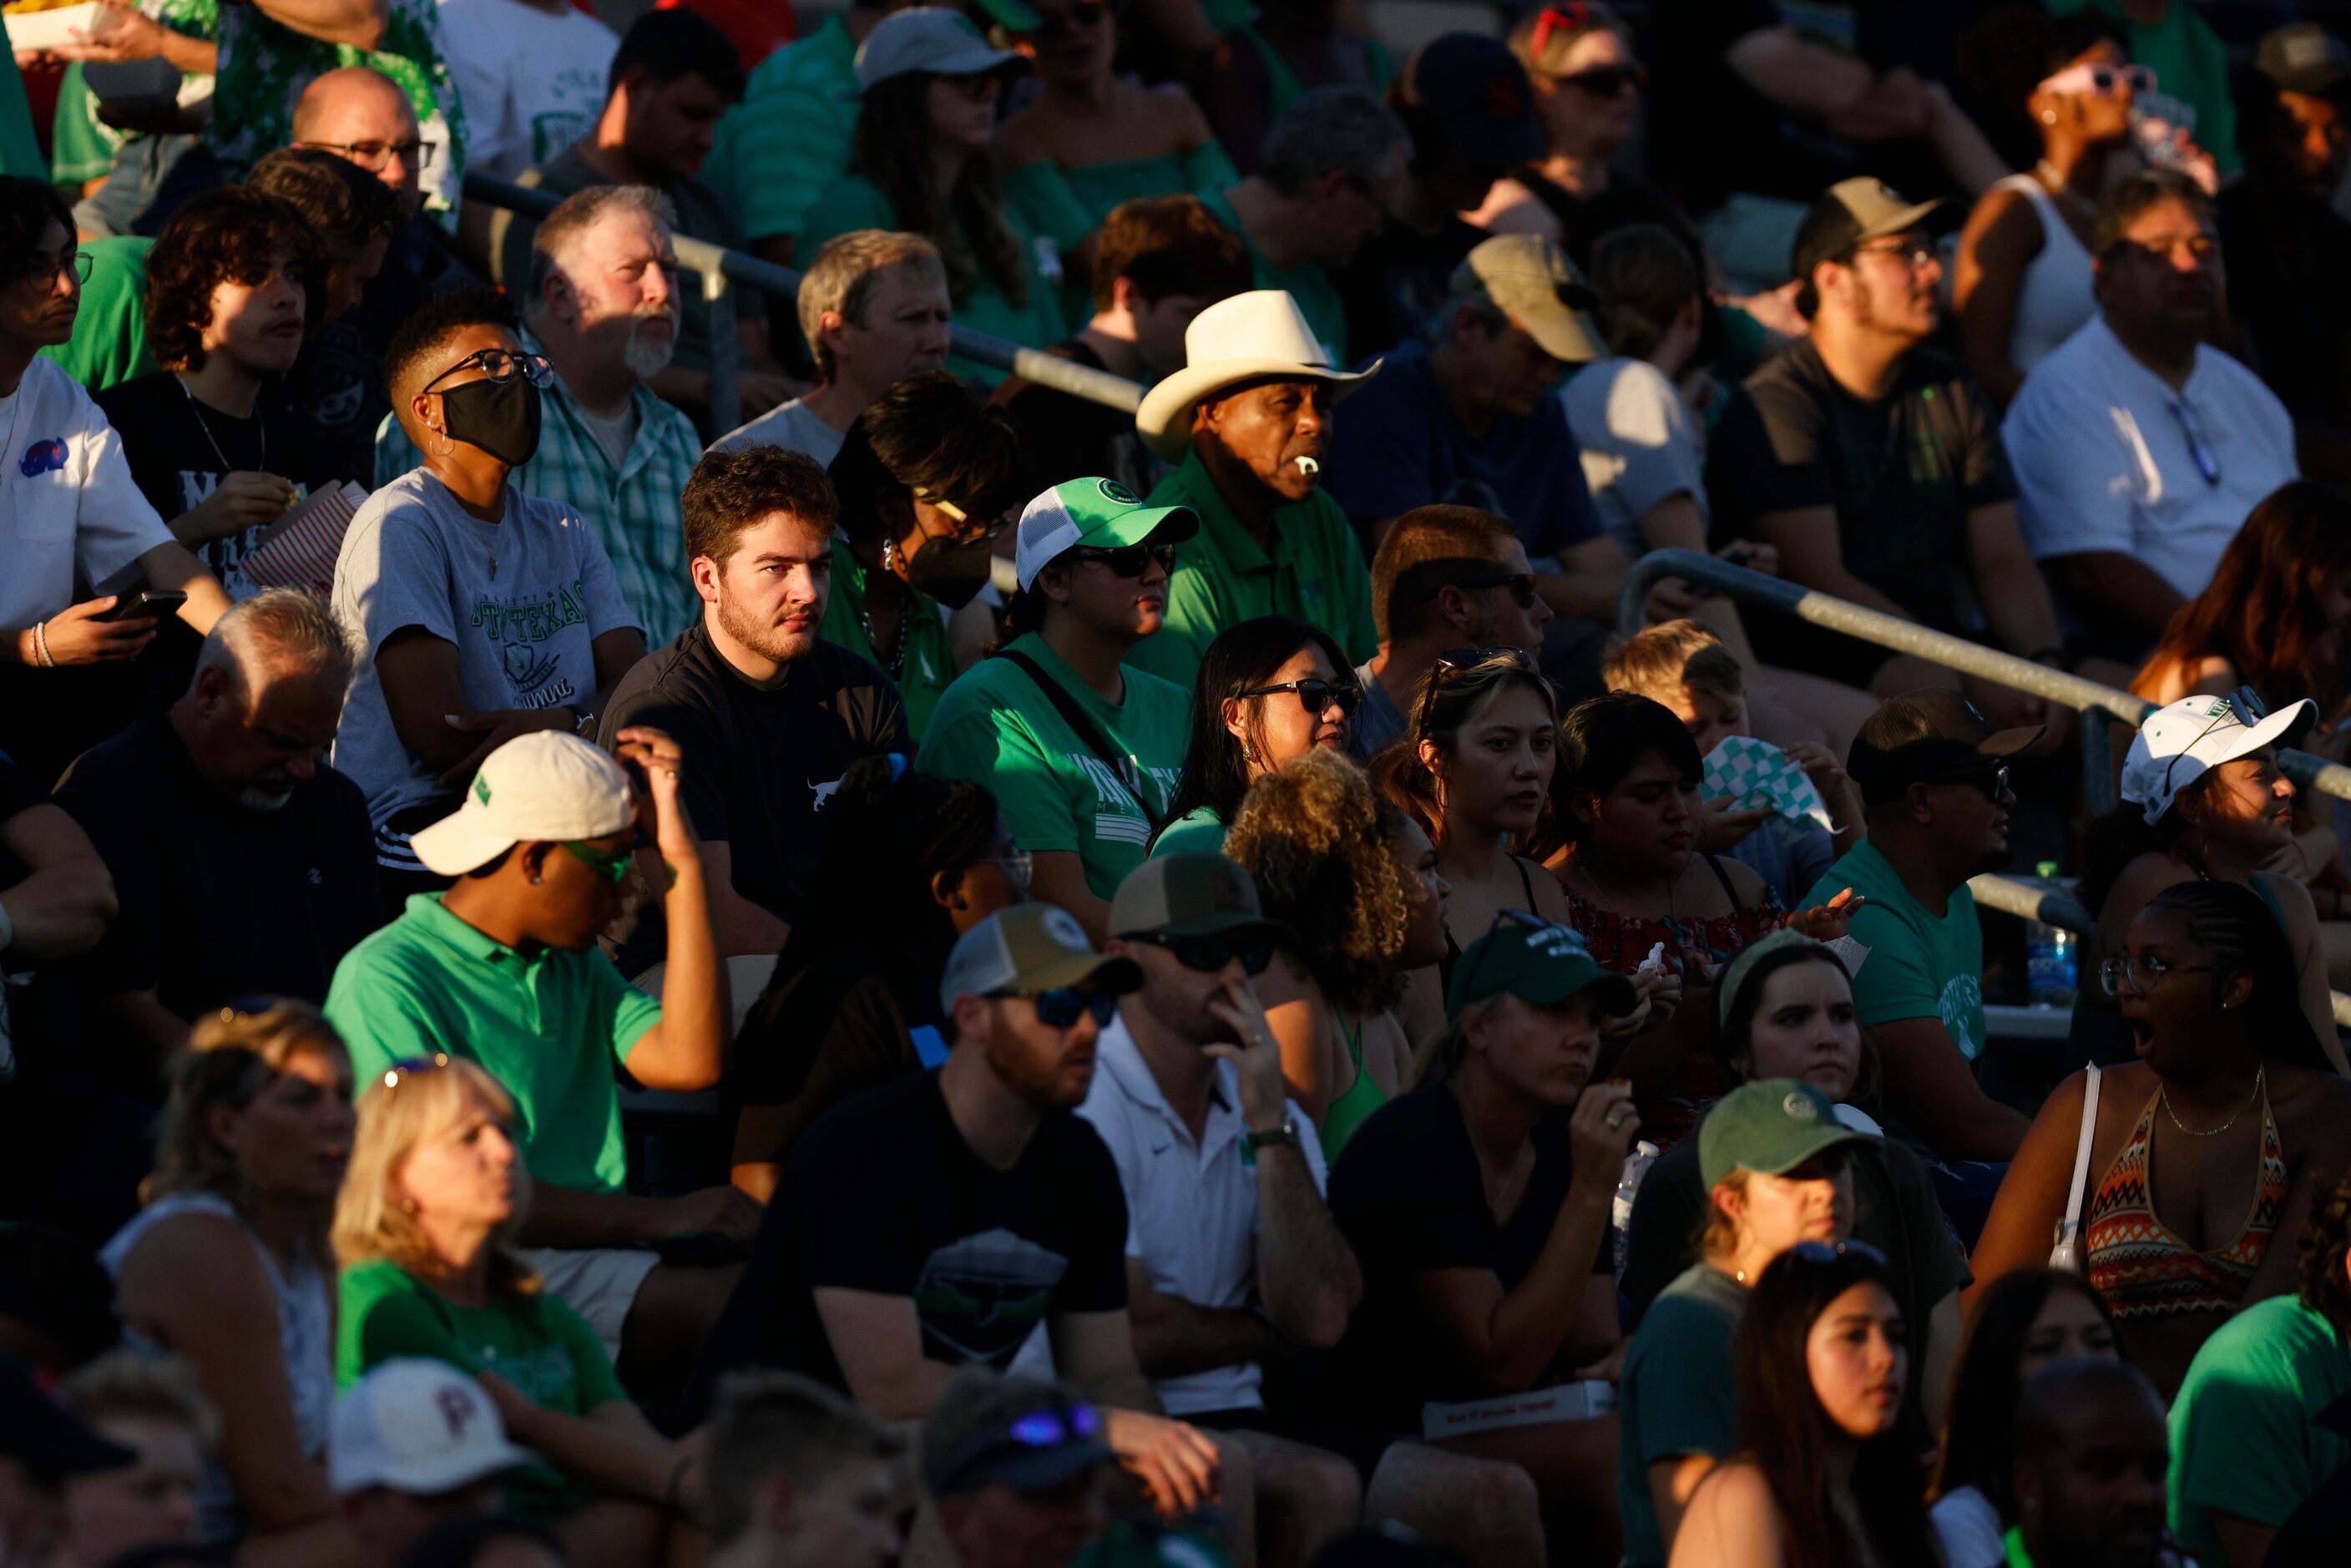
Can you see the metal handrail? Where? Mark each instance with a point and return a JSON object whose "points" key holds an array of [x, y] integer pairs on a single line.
{"points": [[717, 267]]}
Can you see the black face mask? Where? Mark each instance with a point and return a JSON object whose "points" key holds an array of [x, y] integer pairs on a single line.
{"points": [[952, 571], [499, 417]]}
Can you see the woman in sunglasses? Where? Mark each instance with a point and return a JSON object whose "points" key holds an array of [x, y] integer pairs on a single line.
{"points": [[424, 1229], [2202, 798], [1579, 55], [2204, 1156], [910, 864], [1822, 1474], [1269, 691], [233, 1243]]}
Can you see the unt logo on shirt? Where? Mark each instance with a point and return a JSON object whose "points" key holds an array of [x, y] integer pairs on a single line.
{"points": [[44, 457]]}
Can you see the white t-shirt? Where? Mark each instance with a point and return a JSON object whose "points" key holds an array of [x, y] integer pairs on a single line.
{"points": [[532, 81], [793, 427], [72, 523], [2103, 461], [1639, 444], [1970, 1527]]}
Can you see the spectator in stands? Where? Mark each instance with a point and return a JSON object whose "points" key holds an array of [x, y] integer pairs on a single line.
{"points": [[57, 896], [1335, 165], [1444, 578], [425, 1231], [2255, 1427], [2024, 1322], [2188, 59], [1587, 86], [913, 862], [1469, 107], [2092, 1456], [234, 282], [364, 116], [415, 1443], [351, 214], [1158, 262], [156, 1410], [41, 1447], [1266, 58], [924, 480], [1933, 779], [2139, 447], [873, 309], [1248, 421], [868, 1271], [2022, 280], [1269, 691], [69, 512], [926, 164], [532, 76], [2202, 801], [110, 343], [1003, 1499], [240, 860], [2207, 987], [1082, 749], [1914, 537], [672, 77], [1776, 1164], [767, 714], [603, 308], [1823, 1364], [232, 1239], [801, 1478], [461, 659]]}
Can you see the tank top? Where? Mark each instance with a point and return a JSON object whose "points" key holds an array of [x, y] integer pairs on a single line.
{"points": [[2141, 1268], [1352, 1109], [2055, 297], [1453, 949], [305, 1332]]}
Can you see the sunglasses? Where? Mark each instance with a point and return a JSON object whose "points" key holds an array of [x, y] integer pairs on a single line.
{"points": [[500, 366], [1210, 954], [2140, 973], [2099, 80], [1317, 695], [2244, 706], [1016, 867], [408, 1067], [1607, 81], [613, 863], [1062, 1007], [2207, 463], [1521, 585], [1132, 560], [1461, 660]]}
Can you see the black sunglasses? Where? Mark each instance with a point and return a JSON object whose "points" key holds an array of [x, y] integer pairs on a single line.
{"points": [[1607, 81], [1131, 561], [1317, 695], [1210, 954], [1062, 1007]]}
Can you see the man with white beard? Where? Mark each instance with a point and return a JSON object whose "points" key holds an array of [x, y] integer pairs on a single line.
{"points": [[603, 306], [241, 861]]}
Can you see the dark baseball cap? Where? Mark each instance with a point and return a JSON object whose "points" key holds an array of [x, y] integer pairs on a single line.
{"points": [[1538, 961], [1854, 212], [1770, 1126], [44, 1436], [1477, 92], [1191, 894], [1933, 735], [2303, 58], [987, 1429]]}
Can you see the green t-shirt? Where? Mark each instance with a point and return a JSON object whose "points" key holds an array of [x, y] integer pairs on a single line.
{"points": [[1679, 1395], [792, 135], [929, 667], [550, 1026], [995, 728], [1312, 286], [1316, 574], [1197, 832], [2189, 61], [1920, 965], [536, 1342], [108, 345], [2245, 1433], [20, 147]]}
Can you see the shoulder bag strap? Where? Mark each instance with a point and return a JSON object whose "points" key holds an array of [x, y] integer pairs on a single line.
{"points": [[2067, 1252], [1088, 731]]}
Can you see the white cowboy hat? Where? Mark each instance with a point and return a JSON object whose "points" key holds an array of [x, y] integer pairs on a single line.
{"points": [[1249, 335]]}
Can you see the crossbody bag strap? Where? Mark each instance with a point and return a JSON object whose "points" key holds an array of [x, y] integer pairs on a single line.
{"points": [[1077, 719], [2067, 1251]]}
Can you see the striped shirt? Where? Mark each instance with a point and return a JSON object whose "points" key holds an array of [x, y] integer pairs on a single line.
{"points": [[790, 138]]}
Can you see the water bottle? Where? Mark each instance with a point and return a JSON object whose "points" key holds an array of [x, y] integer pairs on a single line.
{"points": [[1620, 1212], [2052, 955]]}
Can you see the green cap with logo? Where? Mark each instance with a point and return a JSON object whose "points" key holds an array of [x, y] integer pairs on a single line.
{"points": [[1538, 961], [1101, 514], [1191, 894], [1770, 1126], [1028, 948]]}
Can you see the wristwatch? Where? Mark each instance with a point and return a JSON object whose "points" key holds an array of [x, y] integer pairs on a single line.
{"points": [[1283, 1136], [584, 724]]}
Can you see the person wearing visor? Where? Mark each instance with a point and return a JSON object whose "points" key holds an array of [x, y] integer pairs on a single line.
{"points": [[1014, 1466], [2203, 800], [1080, 750], [503, 970], [1248, 419], [485, 613]]}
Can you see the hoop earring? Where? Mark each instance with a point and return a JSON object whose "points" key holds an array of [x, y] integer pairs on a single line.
{"points": [[441, 445]]}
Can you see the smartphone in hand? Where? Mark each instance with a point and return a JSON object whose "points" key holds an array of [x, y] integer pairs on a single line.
{"points": [[159, 603]]}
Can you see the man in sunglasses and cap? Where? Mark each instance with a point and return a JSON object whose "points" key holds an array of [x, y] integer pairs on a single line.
{"points": [[1015, 1466]]}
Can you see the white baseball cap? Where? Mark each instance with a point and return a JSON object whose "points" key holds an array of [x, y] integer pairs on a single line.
{"points": [[929, 38], [2181, 740], [417, 1425], [1099, 512], [546, 785]]}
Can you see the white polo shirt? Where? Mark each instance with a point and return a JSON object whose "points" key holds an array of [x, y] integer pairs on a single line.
{"points": [[2103, 461], [71, 520]]}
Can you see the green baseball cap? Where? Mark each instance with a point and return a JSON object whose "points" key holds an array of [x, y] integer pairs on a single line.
{"points": [[1191, 894], [1028, 948], [1096, 512], [1771, 1126], [1538, 961]]}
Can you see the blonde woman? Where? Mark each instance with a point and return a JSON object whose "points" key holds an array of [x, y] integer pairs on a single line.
{"points": [[233, 1236], [424, 1229]]}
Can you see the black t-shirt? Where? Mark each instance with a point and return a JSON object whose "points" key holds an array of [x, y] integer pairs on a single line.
{"points": [[1408, 1195], [1395, 285], [2288, 256], [758, 764], [1064, 437], [219, 902], [883, 1195]]}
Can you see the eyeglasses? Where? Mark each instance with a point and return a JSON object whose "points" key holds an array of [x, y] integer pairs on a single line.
{"points": [[1132, 560], [2244, 706], [500, 366], [1016, 867], [1521, 585], [45, 274], [374, 155], [1317, 695], [1607, 81], [408, 1067], [1210, 954], [2140, 973], [1992, 782], [1461, 660], [2100, 80], [1912, 253], [1061, 1008], [1820, 1254], [613, 863], [2207, 463]]}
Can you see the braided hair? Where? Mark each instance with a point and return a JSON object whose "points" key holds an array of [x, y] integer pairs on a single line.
{"points": [[2230, 919], [2319, 1270]]}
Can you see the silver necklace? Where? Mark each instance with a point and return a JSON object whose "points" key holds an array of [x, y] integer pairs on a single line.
{"points": [[260, 425]]}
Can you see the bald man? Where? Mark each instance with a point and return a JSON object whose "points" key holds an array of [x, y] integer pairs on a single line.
{"points": [[359, 113], [2092, 1457]]}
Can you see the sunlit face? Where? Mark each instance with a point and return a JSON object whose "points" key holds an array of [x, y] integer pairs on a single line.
{"points": [[903, 329], [258, 327], [370, 124], [428, 408], [1709, 718], [461, 1173], [962, 110], [616, 286], [1812, 1202], [149, 1503], [2165, 272], [1278, 728], [1855, 1352], [2247, 801], [768, 596], [1648, 818], [1541, 1052], [1804, 1029], [1424, 937], [2069, 1327], [1887, 286], [1498, 773], [2098, 119], [38, 303], [1094, 594], [292, 1141], [1579, 116], [1267, 427]]}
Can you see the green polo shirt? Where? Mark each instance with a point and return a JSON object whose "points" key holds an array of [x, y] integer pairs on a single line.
{"points": [[1315, 573], [1197, 832], [995, 728], [1312, 286], [20, 149], [929, 668], [550, 1026]]}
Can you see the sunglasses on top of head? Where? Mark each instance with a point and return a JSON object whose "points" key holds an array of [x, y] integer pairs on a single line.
{"points": [[1131, 561]]}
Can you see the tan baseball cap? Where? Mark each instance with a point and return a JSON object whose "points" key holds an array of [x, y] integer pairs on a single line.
{"points": [[547, 785], [1530, 280], [1853, 211], [1191, 894], [1028, 948]]}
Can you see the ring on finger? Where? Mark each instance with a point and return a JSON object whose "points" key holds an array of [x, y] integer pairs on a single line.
{"points": [[1615, 1121]]}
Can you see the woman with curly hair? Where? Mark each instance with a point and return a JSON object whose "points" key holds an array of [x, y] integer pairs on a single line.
{"points": [[1269, 691], [1324, 851]]}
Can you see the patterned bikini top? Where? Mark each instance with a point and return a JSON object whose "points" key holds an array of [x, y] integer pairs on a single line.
{"points": [[2141, 1268]]}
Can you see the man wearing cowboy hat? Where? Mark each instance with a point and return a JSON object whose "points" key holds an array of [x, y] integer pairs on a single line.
{"points": [[1249, 420]]}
